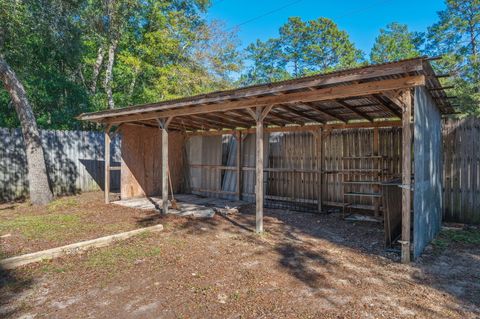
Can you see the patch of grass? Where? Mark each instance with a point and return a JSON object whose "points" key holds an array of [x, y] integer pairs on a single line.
{"points": [[61, 203], [119, 255], [470, 236], [446, 237], [51, 226]]}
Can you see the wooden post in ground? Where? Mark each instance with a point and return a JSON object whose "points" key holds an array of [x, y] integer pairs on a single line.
{"points": [[406, 174], [163, 124], [259, 115], [239, 138], [106, 188], [320, 167], [259, 171], [378, 166]]}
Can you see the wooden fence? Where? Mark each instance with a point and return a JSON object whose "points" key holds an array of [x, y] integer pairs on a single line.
{"points": [[74, 162], [461, 170]]}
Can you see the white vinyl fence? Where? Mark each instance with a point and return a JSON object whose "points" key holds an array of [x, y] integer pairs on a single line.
{"points": [[74, 162]]}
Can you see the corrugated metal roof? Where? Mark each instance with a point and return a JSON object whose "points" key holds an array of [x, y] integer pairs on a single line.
{"points": [[350, 108]]}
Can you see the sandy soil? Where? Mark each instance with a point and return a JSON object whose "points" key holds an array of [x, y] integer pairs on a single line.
{"points": [[86, 217], [304, 266]]}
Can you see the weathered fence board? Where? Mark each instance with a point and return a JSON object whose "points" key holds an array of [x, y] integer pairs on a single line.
{"points": [[74, 162], [461, 170]]}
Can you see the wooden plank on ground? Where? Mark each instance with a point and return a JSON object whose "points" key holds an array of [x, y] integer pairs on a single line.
{"points": [[17, 261]]}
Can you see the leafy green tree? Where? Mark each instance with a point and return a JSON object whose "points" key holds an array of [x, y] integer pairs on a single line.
{"points": [[267, 64], [456, 37], [302, 48], [396, 42]]}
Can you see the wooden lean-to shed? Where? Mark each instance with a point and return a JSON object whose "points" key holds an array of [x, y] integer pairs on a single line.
{"points": [[366, 139]]}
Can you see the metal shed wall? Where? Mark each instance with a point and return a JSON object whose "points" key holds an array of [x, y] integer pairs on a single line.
{"points": [[427, 199]]}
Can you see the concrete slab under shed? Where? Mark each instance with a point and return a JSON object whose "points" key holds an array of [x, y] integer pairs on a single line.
{"points": [[188, 205]]}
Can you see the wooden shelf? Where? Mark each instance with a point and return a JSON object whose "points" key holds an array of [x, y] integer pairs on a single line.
{"points": [[364, 182], [362, 157], [364, 170], [363, 194]]}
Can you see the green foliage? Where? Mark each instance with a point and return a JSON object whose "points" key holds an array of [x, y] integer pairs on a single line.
{"points": [[456, 36], [465, 237], [301, 49], [395, 43], [165, 49], [41, 42]]}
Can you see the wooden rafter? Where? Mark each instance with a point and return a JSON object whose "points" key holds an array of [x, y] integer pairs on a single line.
{"points": [[219, 124], [284, 118], [354, 110], [302, 114], [332, 93], [387, 105], [230, 119], [326, 112]]}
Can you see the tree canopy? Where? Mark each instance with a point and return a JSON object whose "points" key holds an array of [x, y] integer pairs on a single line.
{"points": [[396, 42], [303, 47], [85, 55]]}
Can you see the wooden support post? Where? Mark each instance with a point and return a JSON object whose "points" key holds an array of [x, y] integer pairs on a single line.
{"points": [[406, 174], [376, 165], [163, 124], [259, 115], [106, 188], [239, 164], [320, 167], [259, 170]]}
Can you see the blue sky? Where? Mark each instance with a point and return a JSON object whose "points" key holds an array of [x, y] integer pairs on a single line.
{"points": [[361, 19]]}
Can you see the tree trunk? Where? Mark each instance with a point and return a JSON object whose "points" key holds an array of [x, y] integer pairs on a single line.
{"points": [[40, 193], [109, 74], [96, 69]]}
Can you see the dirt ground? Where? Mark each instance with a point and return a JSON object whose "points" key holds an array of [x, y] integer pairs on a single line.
{"points": [[24, 229], [304, 266]]}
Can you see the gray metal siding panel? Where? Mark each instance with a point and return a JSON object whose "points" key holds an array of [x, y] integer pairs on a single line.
{"points": [[427, 201]]}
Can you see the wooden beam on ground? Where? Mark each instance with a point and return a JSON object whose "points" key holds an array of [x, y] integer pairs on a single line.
{"points": [[406, 174], [354, 110], [106, 187], [332, 93], [22, 260]]}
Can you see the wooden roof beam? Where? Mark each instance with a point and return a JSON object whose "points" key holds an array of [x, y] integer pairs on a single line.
{"points": [[222, 124], [326, 112], [229, 119], [309, 118], [387, 105], [251, 114], [185, 121], [354, 110], [287, 119], [331, 93]]}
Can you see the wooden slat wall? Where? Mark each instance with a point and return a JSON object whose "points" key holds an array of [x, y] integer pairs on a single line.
{"points": [[358, 142], [74, 162], [461, 170]]}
